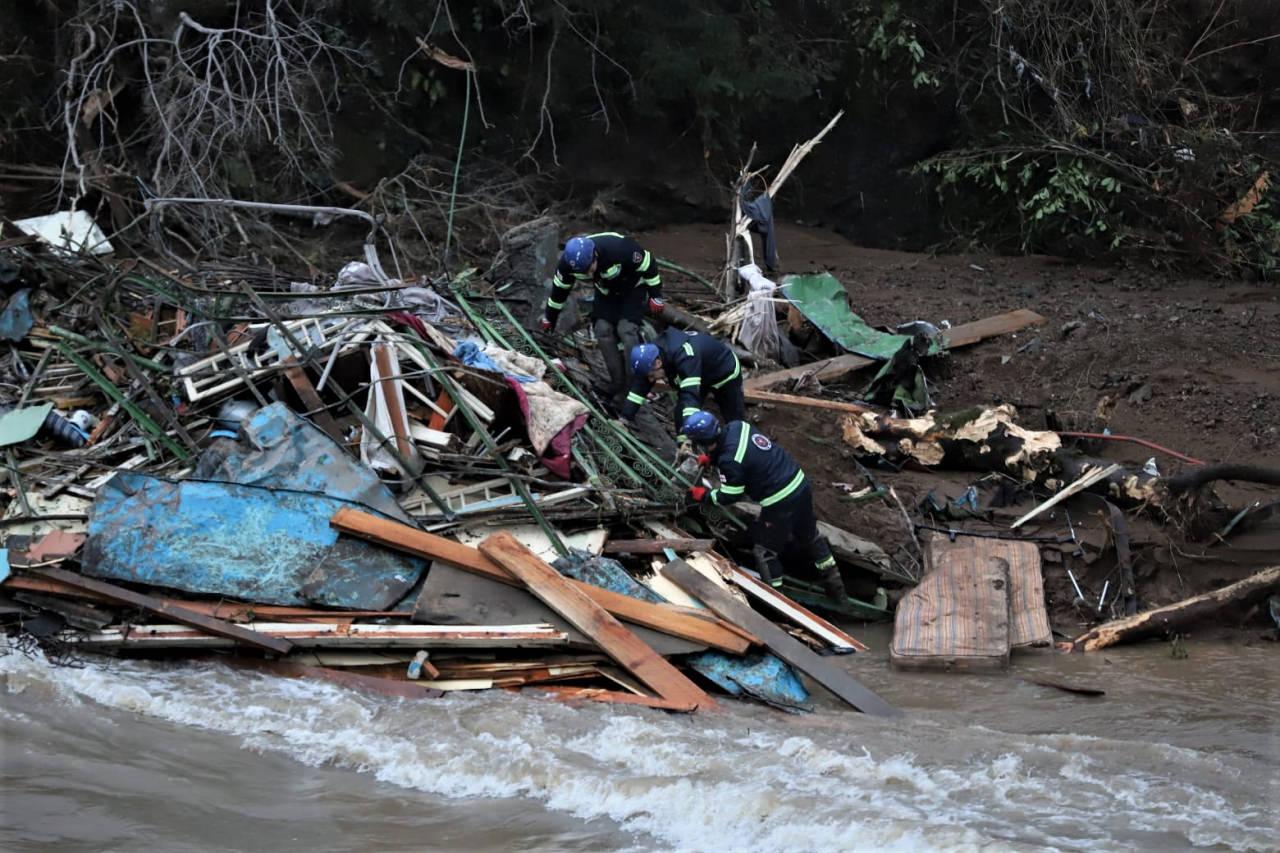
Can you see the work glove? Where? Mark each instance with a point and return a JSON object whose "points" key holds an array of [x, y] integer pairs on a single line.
{"points": [[704, 460], [656, 304], [684, 448], [545, 324], [698, 493]]}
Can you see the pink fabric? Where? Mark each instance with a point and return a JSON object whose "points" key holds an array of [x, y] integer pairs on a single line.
{"points": [[558, 456]]}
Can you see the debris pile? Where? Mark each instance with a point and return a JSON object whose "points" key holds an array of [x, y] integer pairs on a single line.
{"points": [[388, 483], [395, 484]]}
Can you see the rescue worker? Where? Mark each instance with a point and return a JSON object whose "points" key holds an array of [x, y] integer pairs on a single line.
{"points": [[751, 465], [626, 280], [695, 366]]}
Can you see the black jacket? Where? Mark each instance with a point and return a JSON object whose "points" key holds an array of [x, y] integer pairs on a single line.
{"points": [[694, 364], [752, 465], [622, 265]]}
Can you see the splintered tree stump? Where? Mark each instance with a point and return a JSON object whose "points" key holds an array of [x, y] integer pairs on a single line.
{"points": [[1182, 614]]}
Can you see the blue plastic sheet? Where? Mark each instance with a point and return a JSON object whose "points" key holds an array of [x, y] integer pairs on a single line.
{"points": [[759, 675]]}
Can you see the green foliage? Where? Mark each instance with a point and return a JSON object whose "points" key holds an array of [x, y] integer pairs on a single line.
{"points": [[892, 40], [1049, 195]]}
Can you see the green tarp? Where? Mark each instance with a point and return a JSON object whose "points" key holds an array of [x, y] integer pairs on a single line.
{"points": [[820, 297]]}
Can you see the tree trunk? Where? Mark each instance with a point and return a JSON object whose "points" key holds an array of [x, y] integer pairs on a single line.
{"points": [[1178, 616]]}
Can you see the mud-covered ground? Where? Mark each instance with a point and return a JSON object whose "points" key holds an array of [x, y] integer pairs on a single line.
{"points": [[1192, 364]]}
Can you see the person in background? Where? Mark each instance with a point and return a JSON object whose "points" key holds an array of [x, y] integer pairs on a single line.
{"points": [[627, 285], [751, 465]]}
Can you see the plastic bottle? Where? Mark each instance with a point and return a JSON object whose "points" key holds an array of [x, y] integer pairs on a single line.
{"points": [[415, 665]]}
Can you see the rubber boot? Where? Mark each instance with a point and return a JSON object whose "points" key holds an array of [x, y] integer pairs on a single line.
{"points": [[768, 565], [833, 585]]}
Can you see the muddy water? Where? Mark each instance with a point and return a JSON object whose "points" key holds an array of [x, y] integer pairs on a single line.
{"points": [[1180, 754]]}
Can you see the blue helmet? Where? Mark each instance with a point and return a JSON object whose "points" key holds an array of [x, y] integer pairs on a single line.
{"points": [[579, 252], [701, 427], [642, 358]]}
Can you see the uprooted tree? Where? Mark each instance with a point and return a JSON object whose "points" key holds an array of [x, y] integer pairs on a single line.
{"points": [[991, 440]]}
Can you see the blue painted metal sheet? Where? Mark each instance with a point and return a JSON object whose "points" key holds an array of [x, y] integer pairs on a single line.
{"points": [[255, 525], [760, 675], [261, 545], [282, 450]]}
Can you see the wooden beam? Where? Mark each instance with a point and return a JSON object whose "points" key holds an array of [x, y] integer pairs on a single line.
{"points": [[1180, 614], [316, 409], [183, 615], [840, 642], [963, 335], [554, 590], [656, 546], [570, 694], [232, 611], [395, 410], [660, 617], [809, 402], [337, 634], [779, 641]]}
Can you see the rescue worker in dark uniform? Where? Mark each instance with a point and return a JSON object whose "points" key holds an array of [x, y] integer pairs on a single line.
{"points": [[627, 284], [695, 366], [751, 465]]}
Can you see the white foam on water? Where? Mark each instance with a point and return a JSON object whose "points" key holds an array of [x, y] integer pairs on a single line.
{"points": [[710, 782]]}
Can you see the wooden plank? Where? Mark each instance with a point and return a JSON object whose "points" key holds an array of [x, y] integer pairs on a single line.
{"points": [[351, 680], [687, 625], [824, 371], [206, 624], [392, 400], [780, 642], [444, 406], [963, 335], [336, 635], [838, 640], [316, 409], [569, 693], [455, 596], [588, 617], [968, 334], [808, 402], [1094, 476], [657, 546]]}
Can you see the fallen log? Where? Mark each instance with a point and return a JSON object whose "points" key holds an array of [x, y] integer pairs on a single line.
{"points": [[1179, 615]]}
